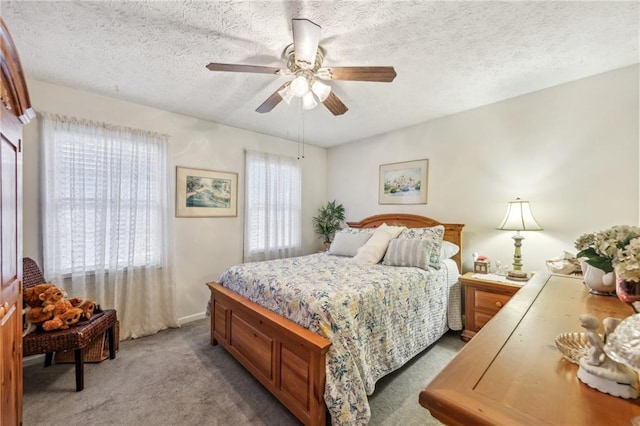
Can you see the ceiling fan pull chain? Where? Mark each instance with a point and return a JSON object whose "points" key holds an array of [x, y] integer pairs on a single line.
{"points": [[302, 119], [299, 128]]}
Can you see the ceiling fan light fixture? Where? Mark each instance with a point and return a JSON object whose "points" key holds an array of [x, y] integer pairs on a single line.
{"points": [[309, 101], [299, 86], [321, 90]]}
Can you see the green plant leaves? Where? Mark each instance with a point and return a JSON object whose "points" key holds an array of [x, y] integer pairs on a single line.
{"points": [[596, 260], [329, 220]]}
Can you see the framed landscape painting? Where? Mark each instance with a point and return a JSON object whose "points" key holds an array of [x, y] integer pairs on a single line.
{"points": [[205, 193], [404, 183]]}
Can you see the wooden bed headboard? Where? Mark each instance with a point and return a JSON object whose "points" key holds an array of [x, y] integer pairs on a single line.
{"points": [[452, 231]]}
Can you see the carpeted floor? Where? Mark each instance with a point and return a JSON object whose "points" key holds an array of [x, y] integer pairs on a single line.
{"points": [[176, 378]]}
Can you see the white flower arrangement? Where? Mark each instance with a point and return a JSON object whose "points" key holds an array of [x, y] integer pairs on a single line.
{"points": [[615, 248], [627, 261]]}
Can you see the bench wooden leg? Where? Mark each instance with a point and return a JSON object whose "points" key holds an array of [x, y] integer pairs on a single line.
{"points": [[111, 334], [79, 358], [48, 359]]}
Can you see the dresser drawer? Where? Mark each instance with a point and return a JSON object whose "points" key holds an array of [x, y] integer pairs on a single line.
{"points": [[490, 302]]}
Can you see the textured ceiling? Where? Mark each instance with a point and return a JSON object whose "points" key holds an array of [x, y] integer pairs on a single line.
{"points": [[449, 56]]}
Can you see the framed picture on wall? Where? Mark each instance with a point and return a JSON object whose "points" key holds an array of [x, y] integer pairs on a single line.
{"points": [[206, 193], [404, 183]]}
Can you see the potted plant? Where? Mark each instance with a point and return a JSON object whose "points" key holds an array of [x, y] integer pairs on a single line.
{"points": [[328, 221], [604, 250]]}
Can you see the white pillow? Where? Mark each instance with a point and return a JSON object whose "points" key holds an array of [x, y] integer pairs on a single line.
{"points": [[448, 250], [347, 244], [413, 252], [373, 250]]}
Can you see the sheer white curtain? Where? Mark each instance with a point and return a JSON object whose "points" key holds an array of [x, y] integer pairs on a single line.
{"points": [[106, 219], [273, 206]]}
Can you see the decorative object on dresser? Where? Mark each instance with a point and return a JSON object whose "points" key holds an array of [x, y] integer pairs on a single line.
{"points": [[627, 268], [403, 183], [605, 254], [623, 344], [566, 264], [573, 345], [480, 264], [511, 373], [598, 370], [518, 218], [205, 193], [483, 298]]}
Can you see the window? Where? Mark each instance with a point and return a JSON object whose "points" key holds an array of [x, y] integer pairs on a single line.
{"points": [[104, 200], [106, 220], [273, 206]]}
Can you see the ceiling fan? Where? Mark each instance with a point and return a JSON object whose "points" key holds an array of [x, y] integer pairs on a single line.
{"points": [[304, 62]]}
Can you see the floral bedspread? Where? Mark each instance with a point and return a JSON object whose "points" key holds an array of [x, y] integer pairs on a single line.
{"points": [[377, 317]]}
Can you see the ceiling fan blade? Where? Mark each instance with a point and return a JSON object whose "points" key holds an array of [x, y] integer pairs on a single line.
{"points": [[334, 104], [272, 100], [306, 36], [381, 74], [243, 68]]}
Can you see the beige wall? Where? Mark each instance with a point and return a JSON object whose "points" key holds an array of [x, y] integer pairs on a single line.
{"points": [[204, 247], [572, 150]]}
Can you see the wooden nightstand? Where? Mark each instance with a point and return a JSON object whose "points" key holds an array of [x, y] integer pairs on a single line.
{"points": [[483, 298]]}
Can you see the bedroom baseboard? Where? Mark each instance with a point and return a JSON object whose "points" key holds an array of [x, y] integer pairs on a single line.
{"points": [[191, 318]]}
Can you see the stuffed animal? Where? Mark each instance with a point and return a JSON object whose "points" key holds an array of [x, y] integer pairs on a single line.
{"points": [[87, 306], [55, 311], [63, 320], [53, 300], [48, 296], [31, 295]]}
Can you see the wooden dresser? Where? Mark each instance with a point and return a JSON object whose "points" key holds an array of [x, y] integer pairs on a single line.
{"points": [[512, 373]]}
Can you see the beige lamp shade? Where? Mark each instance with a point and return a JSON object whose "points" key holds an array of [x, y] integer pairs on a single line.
{"points": [[519, 217]]}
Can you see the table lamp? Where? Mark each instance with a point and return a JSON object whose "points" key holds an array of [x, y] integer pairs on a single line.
{"points": [[518, 218]]}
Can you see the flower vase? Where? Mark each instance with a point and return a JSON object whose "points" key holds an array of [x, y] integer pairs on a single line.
{"points": [[599, 282], [629, 293]]}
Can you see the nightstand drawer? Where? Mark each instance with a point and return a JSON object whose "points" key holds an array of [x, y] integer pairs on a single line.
{"points": [[480, 319], [490, 302]]}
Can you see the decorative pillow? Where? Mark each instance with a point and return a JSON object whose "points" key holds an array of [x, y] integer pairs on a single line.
{"points": [[414, 252], [435, 234], [347, 244], [448, 250], [373, 250], [369, 231]]}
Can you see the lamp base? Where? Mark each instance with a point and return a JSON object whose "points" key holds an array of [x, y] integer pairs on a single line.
{"points": [[518, 275], [517, 255]]}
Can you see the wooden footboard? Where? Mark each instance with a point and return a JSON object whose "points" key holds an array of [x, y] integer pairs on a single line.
{"points": [[287, 359]]}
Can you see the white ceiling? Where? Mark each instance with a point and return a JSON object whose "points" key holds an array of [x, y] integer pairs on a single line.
{"points": [[449, 56]]}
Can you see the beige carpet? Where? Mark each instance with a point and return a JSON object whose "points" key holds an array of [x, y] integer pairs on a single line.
{"points": [[176, 378]]}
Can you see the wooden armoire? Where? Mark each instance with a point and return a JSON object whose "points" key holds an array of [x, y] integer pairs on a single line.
{"points": [[15, 111]]}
